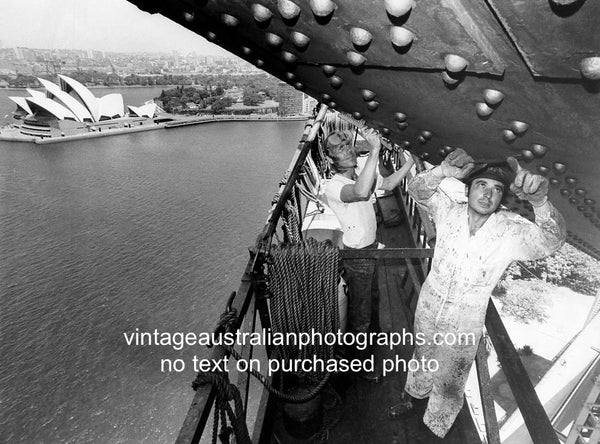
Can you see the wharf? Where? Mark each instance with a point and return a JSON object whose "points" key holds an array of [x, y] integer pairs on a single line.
{"points": [[13, 134]]}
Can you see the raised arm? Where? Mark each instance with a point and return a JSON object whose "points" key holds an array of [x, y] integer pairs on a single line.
{"points": [[548, 234], [362, 189], [424, 186], [393, 180]]}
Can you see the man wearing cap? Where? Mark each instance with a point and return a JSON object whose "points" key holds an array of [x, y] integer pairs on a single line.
{"points": [[349, 194], [476, 241]]}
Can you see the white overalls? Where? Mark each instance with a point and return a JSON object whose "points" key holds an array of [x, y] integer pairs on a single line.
{"points": [[455, 295]]}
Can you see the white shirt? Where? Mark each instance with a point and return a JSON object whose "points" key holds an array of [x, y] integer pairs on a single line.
{"points": [[357, 219]]}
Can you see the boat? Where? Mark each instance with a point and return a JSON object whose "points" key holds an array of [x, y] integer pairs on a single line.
{"points": [[497, 78]]}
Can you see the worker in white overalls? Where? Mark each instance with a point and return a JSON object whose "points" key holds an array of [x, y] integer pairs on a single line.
{"points": [[476, 240]]}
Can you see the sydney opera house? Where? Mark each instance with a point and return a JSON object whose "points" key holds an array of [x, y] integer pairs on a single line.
{"points": [[70, 108]]}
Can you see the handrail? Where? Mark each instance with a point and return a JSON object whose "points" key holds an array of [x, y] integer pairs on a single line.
{"points": [[200, 408], [298, 163], [535, 418]]}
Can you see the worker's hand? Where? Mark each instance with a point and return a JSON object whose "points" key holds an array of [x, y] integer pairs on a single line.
{"points": [[372, 137], [528, 186], [457, 164]]}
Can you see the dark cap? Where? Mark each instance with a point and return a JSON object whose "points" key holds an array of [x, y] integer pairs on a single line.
{"points": [[500, 173]]}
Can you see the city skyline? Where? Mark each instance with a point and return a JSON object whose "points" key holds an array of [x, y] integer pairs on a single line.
{"points": [[111, 25]]}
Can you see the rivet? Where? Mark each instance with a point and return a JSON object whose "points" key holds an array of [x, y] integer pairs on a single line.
{"points": [[571, 181], [322, 8], [483, 110], [492, 96], [368, 95], [211, 36], [427, 134], [406, 144], [565, 192], [298, 86], [508, 136], [554, 181], [188, 16], [355, 58], [573, 201], [288, 57], [543, 170], [455, 63], [518, 127], [373, 105], [287, 9], [448, 149], [559, 168], [385, 131], [581, 208], [400, 36], [261, 14], [357, 115], [422, 139], [246, 51], [290, 76], [328, 70], [527, 155], [449, 80], [332, 105], [325, 98], [400, 117], [229, 20], [580, 192], [425, 156], [589, 201], [299, 40], [336, 81], [402, 125], [539, 150], [274, 40], [442, 152], [590, 68], [398, 8], [360, 36]]}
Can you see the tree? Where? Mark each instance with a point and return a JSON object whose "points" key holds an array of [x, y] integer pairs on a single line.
{"points": [[219, 105], [252, 98], [524, 300], [568, 267]]}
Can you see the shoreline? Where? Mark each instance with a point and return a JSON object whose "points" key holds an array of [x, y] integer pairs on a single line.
{"points": [[176, 123]]}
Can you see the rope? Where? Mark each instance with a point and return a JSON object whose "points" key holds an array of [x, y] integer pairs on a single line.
{"points": [[226, 392], [226, 324], [303, 283], [290, 220]]}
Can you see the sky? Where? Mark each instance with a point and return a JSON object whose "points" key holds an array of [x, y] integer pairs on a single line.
{"points": [[109, 25]]}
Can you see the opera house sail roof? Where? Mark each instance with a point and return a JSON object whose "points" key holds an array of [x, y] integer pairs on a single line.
{"points": [[70, 101], [70, 109]]}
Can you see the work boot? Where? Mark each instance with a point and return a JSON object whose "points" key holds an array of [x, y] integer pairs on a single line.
{"points": [[405, 406]]}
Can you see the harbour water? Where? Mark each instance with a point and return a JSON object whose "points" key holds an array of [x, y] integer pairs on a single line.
{"points": [[100, 237]]}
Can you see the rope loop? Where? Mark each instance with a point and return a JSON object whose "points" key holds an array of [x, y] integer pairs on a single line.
{"points": [[225, 393]]}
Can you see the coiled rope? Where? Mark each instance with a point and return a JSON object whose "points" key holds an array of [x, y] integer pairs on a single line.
{"points": [[303, 279]]}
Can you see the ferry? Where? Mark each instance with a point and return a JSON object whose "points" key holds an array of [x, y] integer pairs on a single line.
{"points": [[498, 78]]}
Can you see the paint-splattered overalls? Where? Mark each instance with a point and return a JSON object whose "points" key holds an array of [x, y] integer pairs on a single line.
{"points": [[455, 295]]}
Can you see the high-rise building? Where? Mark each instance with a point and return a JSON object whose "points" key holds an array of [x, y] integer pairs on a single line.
{"points": [[290, 100], [308, 104]]}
